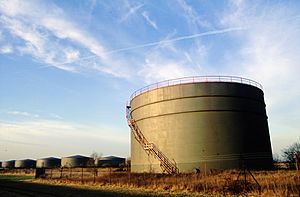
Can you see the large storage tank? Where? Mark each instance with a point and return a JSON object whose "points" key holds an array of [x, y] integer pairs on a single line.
{"points": [[111, 161], [49, 162], [8, 164], [76, 161], [202, 123], [25, 163]]}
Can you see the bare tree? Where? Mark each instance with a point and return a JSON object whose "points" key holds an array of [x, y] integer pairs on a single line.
{"points": [[292, 155], [96, 157]]}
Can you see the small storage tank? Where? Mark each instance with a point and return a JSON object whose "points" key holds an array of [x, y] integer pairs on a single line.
{"points": [[76, 161], [200, 123], [8, 164], [25, 163], [49, 162], [111, 161]]}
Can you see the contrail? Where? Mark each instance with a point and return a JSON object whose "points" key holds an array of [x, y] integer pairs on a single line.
{"points": [[214, 32], [176, 39]]}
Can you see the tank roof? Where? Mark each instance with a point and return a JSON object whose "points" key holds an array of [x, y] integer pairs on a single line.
{"points": [[49, 158], [25, 160], [196, 79], [9, 160], [77, 156], [111, 157]]}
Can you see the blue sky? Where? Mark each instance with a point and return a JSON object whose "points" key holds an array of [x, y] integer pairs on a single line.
{"points": [[67, 68]]}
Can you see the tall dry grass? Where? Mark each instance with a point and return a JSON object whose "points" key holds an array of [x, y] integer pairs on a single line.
{"points": [[271, 183]]}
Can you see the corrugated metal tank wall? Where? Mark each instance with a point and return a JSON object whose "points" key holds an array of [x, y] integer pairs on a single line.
{"points": [[206, 125]]}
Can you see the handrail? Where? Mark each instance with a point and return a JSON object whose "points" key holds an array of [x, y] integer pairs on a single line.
{"points": [[196, 79], [139, 136]]}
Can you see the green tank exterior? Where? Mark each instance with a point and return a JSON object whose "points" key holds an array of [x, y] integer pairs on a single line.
{"points": [[50, 162], [76, 161], [25, 163], [8, 164], [202, 125]]}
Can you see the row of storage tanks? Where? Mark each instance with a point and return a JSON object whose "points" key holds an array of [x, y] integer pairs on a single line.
{"points": [[68, 162]]}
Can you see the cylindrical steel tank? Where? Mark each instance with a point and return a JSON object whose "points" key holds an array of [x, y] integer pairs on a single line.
{"points": [[111, 161], [49, 162], [25, 163], [8, 164], [202, 123], [76, 161]]}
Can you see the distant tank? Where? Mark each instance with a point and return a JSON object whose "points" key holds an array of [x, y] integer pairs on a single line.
{"points": [[111, 161], [8, 164], [76, 161], [49, 162], [199, 123], [25, 163]]}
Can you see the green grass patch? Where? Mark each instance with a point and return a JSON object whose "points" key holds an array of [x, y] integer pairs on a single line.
{"points": [[15, 178]]}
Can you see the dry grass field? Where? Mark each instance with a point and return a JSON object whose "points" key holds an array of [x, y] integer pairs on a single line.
{"points": [[226, 183], [269, 183]]}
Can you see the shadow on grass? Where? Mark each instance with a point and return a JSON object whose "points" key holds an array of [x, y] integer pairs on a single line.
{"points": [[11, 187]]}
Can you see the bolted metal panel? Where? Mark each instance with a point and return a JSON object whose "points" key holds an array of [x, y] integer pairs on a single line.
{"points": [[204, 125], [25, 163], [76, 161], [50, 162]]}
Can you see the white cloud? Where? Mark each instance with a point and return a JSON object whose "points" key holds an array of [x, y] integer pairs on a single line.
{"points": [[147, 18], [157, 68], [42, 26], [71, 55], [6, 49]]}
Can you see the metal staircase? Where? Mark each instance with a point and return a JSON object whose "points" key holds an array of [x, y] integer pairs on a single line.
{"points": [[150, 147]]}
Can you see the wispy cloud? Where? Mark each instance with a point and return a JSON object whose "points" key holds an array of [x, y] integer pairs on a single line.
{"points": [[192, 18], [180, 38], [16, 136], [167, 41], [153, 71], [151, 22], [6, 49], [42, 33], [56, 116], [131, 11], [269, 53], [22, 113]]}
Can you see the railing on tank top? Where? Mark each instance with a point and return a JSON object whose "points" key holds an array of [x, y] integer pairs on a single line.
{"points": [[196, 79]]}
